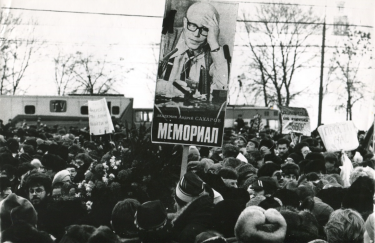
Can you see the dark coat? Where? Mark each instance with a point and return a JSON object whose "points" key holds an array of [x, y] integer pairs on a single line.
{"points": [[193, 219]]}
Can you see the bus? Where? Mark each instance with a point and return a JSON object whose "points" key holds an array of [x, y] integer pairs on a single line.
{"points": [[66, 111], [268, 115]]}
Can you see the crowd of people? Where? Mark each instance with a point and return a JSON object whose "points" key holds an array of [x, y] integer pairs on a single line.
{"points": [[63, 185]]}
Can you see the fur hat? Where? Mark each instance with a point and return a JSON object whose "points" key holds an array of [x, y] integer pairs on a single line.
{"points": [[150, 216], [270, 202], [15, 208], [258, 225], [296, 157], [299, 146], [315, 156], [225, 215], [273, 158], [61, 177], [316, 166], [302, 226], [332, 196], [228, 173], [244, 172], [267, 143], [268, 169], [287, 197], [290, 168], [189, 187]]}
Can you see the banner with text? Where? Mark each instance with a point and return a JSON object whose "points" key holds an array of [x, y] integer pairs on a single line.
{"points": [[193, 72], [295, 119], [99, 118], [339, 136]]}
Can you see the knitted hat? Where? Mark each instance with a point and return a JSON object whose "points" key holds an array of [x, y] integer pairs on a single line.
{"points": [[258, 225], [151, 216], [287, 197], [369, 226], [290, 169], [15, 208], [189, 187], [268, 169], [268, 184]]}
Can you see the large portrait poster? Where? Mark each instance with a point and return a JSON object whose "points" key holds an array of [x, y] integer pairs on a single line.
{"points": [[193, 72]]}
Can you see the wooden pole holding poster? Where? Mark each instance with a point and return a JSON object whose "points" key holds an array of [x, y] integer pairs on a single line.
{"points": [[185, 154]]}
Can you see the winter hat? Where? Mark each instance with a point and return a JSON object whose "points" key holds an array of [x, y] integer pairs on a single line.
{"points": [[304, 192], [370, 227], [232, 162], [296, 157], [270, 202], [77, 233], [245, 170], [290, 168], [316, 166], [321, 211], [315, 156], [287, 197], [359, 196], [267, 143], [255, 141], [299, 146], [268, 184], [228, 173], [273, 158], [15, 208], [193, 154], [224, 216], [268, 169], [61, 177], [151, 216], [28, 149], [258, 225], [302, 226], [189, 187], [247, 182], [332, 196]]}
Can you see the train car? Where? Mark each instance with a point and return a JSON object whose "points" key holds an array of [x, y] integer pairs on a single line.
{"points": [[268, 115], [65, 111]]}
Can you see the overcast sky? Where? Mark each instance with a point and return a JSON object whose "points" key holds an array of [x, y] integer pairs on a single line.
{"points": [[127, 33]]}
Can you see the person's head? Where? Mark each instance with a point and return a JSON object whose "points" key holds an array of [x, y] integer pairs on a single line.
{"points": [[230, 150], [122, 218], [290, 172], [258, 225], [331, 162], [188, 188], [302, 149], [369, 235], [263, 186], [229, 176], [77, 233], [252, 145], [345, 225], [271, 170], [38, 187], [360, 171], [195, 29], [282, 146], [103, 234], [240, 142]]}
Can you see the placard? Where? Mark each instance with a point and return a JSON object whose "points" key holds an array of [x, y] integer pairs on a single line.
{"points": [[99, 118], [295, 120], [339, 136], [193, 72]]}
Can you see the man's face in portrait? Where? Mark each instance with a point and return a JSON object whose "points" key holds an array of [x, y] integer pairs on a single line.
{"points": [[195, 26]]}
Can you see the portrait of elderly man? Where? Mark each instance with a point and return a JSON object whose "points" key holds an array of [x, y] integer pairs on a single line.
{"points": [[192, 56]]}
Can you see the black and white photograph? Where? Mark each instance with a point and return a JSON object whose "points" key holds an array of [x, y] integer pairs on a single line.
{"points": [[187, 121]]}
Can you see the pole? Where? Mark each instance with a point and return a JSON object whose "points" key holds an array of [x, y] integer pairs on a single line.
{"points": [[185, 154], [321, 75]]}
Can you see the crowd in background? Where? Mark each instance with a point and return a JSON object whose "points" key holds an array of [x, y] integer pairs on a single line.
{"points": [[63, 185]]}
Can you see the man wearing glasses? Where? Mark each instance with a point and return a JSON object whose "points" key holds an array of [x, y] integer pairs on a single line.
{"points": [[192, 55]]}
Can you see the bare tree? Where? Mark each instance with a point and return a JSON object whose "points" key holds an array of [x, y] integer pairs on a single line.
{"points": [[96, 76], [64, 72], [278, 39], [15, 53], [351, 57]]}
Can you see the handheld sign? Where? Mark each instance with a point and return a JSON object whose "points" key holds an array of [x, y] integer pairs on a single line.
{"points": [[339, 136], [99, 118], [295, 120]]}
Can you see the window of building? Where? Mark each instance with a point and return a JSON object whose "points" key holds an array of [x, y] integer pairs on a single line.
{"points": [[143, 116], [29, 109], [266, 113], [115, 110], [84, 110], [57, 106], [275, 113]]}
